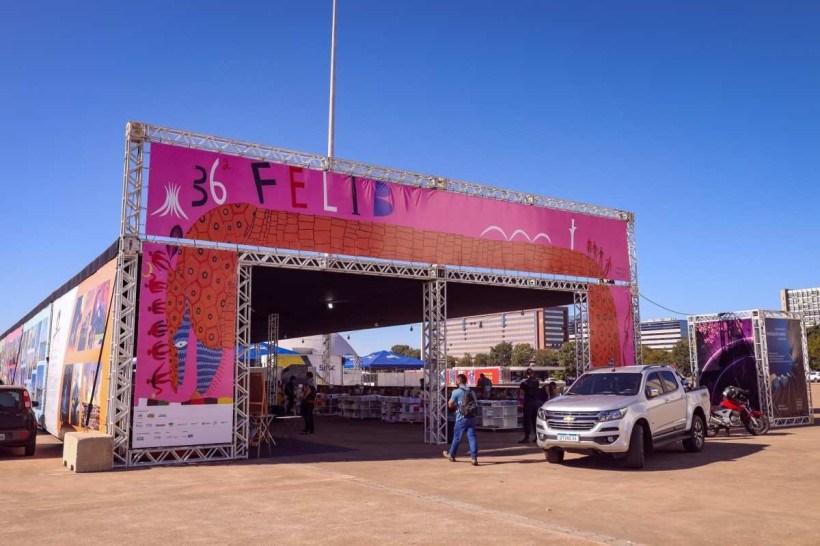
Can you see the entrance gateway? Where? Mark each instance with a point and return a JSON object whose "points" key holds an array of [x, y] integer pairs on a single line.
{"points": [[201, 214]]}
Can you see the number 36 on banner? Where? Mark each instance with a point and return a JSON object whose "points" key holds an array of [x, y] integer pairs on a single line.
{"points": [[216, 188]]}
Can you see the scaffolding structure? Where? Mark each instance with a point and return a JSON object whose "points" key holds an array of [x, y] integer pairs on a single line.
{"points": [[759, 343], [139, 137]]}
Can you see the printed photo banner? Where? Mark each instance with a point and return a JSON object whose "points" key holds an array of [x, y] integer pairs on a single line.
{"points": [[31, 370], [60, 324], [611, 328], [726, 357], [184, 385], [194, 194], [9, 357], [787, 375]]}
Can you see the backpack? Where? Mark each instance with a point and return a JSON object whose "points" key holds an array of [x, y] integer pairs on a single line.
{"points": [[469, 404]]}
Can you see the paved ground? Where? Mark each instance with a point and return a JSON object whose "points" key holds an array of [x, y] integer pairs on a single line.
{"points": [[372, 483]]}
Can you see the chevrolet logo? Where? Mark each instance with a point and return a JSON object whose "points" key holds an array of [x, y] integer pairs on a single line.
{"points": [[569, 418]]}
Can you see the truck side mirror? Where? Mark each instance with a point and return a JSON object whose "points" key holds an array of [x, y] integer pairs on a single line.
{"points": [[35, 404], [652, 393]]}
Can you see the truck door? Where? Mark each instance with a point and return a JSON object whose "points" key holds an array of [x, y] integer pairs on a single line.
{"points": [[675, 400], [656, 407]]}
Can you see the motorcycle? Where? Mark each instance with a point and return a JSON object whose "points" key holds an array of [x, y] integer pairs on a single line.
{"points": [[734, 412]]}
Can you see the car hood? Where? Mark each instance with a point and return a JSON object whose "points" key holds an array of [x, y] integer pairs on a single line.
{"points": [[599, 402]]}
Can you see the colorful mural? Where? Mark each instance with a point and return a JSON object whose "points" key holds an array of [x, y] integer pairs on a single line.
{"points": [[183, 391]]}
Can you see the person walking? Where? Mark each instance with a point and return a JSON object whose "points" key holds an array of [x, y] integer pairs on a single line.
{"points": [[464, 402], [308, 401], [290, 394], [532, 401]]}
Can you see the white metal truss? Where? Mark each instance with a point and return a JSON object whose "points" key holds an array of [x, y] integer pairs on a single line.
{"points": [[132, 179], [634, 294], [326, 351], [693, 350], [199, 141], [434, 353], [762, 367], [581, 308], [121, 370], [243, 346], [272, 368]]}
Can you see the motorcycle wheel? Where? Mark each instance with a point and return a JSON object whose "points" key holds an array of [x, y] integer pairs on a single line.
{"points": [[760, 427]]}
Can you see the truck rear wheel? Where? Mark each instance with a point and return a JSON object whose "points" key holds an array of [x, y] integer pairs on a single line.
{"points": [[635, 456], [697, 434], [555, 455]]}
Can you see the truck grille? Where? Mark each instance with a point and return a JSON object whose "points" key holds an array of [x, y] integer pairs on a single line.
{"points": [[571, 425]]}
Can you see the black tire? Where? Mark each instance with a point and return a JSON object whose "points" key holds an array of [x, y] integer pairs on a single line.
{"points": [[555, 455], [635, 456], [30, 448], [761, 428], [697, 435]]}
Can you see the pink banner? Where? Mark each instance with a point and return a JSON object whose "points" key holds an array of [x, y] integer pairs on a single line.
{"points": [[611, 329], [183, 393], [203, 195]]}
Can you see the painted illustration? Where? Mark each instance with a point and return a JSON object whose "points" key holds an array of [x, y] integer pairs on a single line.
{"points": [[726, 357]]}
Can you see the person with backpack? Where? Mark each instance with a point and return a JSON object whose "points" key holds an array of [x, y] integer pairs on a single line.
{"points": [[465, 403], [533, 398]]}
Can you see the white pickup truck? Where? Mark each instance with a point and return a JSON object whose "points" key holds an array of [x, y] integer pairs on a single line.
{"points": [[626, 412]]}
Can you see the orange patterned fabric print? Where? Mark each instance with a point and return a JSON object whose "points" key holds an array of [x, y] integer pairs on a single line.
{"points": [[201, 300], [604, 336], [246, 224]]}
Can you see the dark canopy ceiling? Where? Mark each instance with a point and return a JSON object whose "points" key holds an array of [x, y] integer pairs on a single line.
{"points": [[362, 301]]}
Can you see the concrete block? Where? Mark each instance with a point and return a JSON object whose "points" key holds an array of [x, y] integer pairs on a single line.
{"points": [[88, 451]]}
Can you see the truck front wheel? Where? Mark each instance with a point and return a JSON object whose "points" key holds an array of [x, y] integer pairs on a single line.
{"points": [[697, 434], [635, 455], [555, 455]]}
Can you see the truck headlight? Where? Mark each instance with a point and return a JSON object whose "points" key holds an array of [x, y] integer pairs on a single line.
{"points": [[542, 414], [612, 415]]}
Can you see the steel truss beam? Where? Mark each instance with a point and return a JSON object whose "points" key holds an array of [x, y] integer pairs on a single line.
{"points": [[582, 356], [762, 366], [634, 293], [243, 346], [434, 353], [271, 370], [190, 139]]}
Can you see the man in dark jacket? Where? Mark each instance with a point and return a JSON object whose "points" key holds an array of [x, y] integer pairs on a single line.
{"points": [[532, 401]]}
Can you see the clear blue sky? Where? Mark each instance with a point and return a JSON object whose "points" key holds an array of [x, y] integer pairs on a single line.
{"points": [[703, 119]]}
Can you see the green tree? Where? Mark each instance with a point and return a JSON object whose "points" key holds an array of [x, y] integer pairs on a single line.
{"points": [[568, 359], [545, 357], [655, 356], [813, 339], [522, 354], [406, 350], [501, 354], [451, 361], [680, 357], [482, 360], [466, 361]]}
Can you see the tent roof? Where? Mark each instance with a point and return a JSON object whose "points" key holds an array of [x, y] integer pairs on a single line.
{"points": [[386, 359]]}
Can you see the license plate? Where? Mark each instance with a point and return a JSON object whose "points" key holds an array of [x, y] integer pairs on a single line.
{"points": [[568, 438]]}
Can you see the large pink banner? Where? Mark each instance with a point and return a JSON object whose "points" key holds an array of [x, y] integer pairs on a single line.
{"points": [[371, 218]]}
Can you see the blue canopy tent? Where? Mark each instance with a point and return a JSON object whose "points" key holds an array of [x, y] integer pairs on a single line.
{"points": [[386, 360], [262, 349]]}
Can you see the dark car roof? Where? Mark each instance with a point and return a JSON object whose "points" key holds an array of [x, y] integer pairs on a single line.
{"points": [[12, 388]]}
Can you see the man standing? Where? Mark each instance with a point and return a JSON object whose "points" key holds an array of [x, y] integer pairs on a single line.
{"points": [[485, 385], [463, 400], [308, 401], [290, 394], [532, 401]]}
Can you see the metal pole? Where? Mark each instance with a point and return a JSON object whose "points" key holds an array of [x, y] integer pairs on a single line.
{"points": [[332, 109]]}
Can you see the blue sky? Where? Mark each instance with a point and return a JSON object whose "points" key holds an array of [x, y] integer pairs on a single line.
{"points": [[702, 119]]}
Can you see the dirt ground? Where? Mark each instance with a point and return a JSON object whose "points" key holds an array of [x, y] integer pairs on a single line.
{"points": [[368, 482]]}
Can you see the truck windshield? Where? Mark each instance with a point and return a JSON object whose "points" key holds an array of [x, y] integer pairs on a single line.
{"points": [[621, 384]]}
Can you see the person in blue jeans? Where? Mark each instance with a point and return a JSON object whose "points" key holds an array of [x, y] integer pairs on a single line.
{"points": [[461, 396]]}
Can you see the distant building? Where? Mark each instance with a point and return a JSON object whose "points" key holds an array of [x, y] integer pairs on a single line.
{"points": [[663, 333], [802, 300], [541, 328]]}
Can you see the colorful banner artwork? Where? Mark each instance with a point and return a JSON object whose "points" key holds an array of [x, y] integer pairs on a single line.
{"points": [[787, 374], [726, 357], [9, 356], [61, 321], [31, 370], [201, 195], [611, 329], [184, 385], [84, 384]]}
